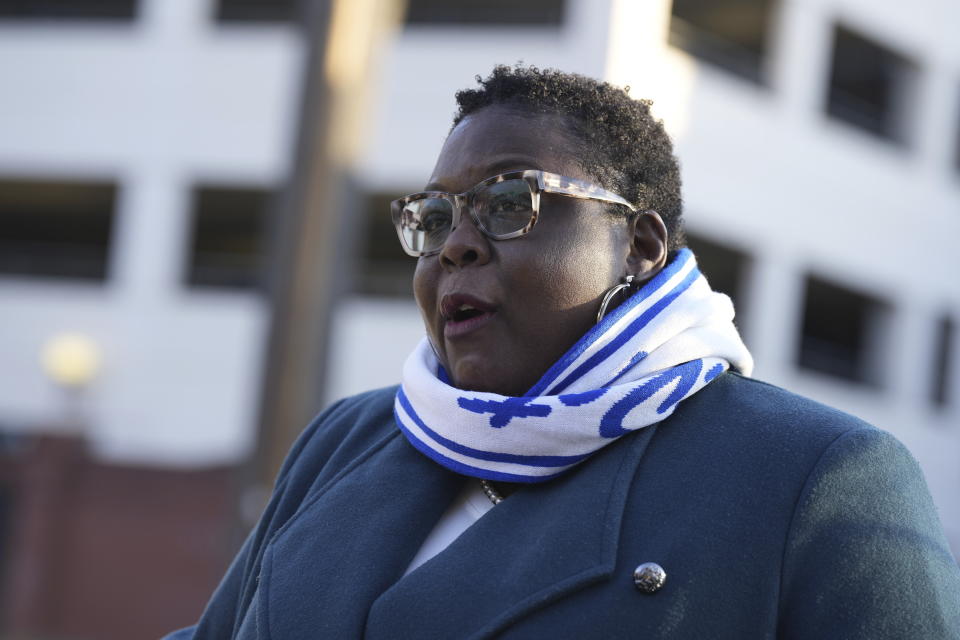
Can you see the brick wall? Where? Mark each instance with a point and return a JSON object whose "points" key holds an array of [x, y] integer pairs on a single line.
{"points": [[98, 551]]}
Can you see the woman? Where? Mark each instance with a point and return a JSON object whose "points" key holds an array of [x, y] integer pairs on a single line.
{"points": [[574, 451]]}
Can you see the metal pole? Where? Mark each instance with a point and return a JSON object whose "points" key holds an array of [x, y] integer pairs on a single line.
{"points": [[308, 262]]}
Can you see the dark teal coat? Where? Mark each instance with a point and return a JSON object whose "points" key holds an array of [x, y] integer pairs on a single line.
{"points": [[773, 516]]}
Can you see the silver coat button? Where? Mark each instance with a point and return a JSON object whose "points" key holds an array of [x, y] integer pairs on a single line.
{"points": [[649, 577]]}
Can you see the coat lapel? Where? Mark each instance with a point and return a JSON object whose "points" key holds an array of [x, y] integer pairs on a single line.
{"points": [[543, 542], [350, 541]]}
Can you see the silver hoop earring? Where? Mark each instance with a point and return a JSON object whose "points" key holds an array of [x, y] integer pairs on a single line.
{"points": [[612, 291]]}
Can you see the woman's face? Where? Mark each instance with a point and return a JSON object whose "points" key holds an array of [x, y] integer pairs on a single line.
{"points": [[537, 294]]}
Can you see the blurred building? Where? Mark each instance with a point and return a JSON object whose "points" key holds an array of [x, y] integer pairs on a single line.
{"points": [[142, 143]]}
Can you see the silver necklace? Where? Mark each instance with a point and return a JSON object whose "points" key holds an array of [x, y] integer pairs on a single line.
{"points": [[492, 494]]}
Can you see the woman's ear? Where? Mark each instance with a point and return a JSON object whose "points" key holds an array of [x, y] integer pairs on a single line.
{"points": [[648, 247]]}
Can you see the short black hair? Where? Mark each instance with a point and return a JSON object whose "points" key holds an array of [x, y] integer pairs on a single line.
{"points": [[625, 148]]}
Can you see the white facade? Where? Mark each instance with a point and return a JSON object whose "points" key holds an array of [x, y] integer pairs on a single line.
{"points": [[765, 170], [157, 105]]}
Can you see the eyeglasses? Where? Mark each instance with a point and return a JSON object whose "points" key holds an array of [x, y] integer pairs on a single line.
{"points": [[502, 207]]}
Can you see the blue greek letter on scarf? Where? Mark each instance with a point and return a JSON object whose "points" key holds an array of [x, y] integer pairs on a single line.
{"points": [[579, 399], [505, 410], [611, 425]]}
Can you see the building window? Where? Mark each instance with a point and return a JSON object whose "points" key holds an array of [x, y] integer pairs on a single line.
{"points": [[69, 9], [55, 229], [229, 237], [258, 10], [842, 332], [725, 269], [731, 34], [943, 344], [870, 85], [486, 12], [383, 268]]}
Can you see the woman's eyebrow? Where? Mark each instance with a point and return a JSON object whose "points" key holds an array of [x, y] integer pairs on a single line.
{"points": [[517, 163]]}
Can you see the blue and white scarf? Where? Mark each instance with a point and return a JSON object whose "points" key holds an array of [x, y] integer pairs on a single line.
{"points": [[662, 345]]}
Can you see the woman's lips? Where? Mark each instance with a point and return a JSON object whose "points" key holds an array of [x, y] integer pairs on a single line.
{"points": [[463, 313], [456, 328]]}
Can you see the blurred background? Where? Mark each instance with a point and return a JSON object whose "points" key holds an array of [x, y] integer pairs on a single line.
{"points": [[196, 253]]}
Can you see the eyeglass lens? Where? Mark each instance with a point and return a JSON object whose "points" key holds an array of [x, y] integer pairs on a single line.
{"points": [[501, 208]]}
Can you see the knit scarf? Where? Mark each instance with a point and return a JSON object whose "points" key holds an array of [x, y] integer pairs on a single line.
{"points": [[660, 346]]}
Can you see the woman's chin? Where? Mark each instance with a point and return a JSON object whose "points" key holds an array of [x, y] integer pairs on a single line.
{"points": [[483, 378]]}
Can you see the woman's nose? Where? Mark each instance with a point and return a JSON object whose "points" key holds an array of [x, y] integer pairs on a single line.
{"points": [[465, 245]]}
